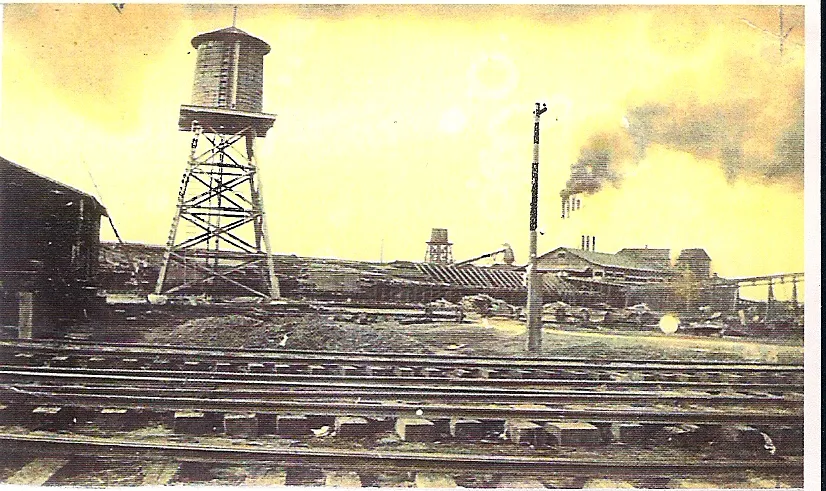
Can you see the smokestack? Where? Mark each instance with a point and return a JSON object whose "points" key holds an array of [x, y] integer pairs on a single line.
{"points": [[573, 202], [583, 243], [587, 242], [563, 207], [577, 203], [594, 243]]}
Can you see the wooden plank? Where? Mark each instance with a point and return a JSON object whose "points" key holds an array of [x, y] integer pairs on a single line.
{"points": [[37, 472], [159, 473], [269, 477], [434, 480], [342, 480]]}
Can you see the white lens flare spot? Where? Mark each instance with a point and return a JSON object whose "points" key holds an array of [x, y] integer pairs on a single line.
{"points": [[669, 324], [493, 76], [453, 121]]}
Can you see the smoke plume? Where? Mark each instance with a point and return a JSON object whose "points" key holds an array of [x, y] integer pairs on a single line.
{"points": [[729, 133], [597, 164]]}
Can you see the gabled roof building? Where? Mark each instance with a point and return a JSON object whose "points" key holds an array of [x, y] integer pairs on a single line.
{"points": [[580, 263], [635, 275]]}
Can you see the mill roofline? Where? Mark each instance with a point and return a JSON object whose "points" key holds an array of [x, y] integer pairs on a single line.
{"points": [[605, 259]]}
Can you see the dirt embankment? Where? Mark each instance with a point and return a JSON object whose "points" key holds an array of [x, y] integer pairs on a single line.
{"points": [[310, 332]]}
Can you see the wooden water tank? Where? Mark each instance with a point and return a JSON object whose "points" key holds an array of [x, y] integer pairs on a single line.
{"points": [[229, 71]]}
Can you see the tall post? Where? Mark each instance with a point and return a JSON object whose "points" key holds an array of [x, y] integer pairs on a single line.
{"points": [[770, 300], [795, 303], [534, 300], [782, 36]]}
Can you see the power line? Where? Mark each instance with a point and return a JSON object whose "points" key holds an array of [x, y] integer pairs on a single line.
{"points": [[782, 35], [100, 196]]}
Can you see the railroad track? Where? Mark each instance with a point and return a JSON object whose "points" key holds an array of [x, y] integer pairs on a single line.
{"points": [[588, 381], [265, 393], [420, 394], [69, 386], [535, 389], [101, 355], [72, 446]]}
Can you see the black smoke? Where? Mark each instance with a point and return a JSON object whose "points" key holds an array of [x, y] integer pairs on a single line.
{"points": [[596, 165]]}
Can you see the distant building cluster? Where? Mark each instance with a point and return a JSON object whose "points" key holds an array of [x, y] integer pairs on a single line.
{"points": [[629, 264], [642, 275]]}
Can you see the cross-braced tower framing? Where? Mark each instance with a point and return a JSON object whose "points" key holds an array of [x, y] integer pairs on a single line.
{"points": [[439, 249], [218, 241]]}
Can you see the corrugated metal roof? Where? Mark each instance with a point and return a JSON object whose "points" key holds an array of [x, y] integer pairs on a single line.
{"points": [[473, 277], [557, 285], [660, 258]]}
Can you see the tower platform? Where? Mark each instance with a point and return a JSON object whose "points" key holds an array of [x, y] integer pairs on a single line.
{"points": [[224, 121]]}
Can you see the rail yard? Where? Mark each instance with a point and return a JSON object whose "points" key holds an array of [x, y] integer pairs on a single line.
{"points": [[213, 359], [83, 410]]}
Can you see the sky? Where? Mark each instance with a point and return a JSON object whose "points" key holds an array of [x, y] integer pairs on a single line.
{"points": [[679, 126]]}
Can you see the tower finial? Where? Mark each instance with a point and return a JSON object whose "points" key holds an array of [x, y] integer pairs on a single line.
{"points": [[234, 14]]}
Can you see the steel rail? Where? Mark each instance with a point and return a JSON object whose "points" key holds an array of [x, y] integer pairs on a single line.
{"points": [[476, 371], [272, 380], [393, 460], [400, 409], [419, 395], [95, 348]]}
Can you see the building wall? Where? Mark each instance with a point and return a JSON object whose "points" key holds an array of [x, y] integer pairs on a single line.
{"points": [[699, 266], [49, 244]]}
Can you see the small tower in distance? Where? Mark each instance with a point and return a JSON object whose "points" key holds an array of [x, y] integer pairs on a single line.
{"points": [[218, 242], [439, 249]]}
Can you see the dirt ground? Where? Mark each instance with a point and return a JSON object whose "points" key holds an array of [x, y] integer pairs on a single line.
{"points": [[255, 328]]}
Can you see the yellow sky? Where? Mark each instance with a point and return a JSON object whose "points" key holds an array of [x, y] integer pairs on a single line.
{"points": [[394, 120]]}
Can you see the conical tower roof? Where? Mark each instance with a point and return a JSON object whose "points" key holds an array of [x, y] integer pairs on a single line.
{"points": [[231, 34]]}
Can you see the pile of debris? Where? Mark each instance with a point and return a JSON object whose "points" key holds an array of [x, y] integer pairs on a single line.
{"points": [[639, 315], [487, 306], [599, 314]]}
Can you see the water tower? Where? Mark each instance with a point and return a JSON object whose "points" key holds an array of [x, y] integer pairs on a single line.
{"points": [[439, 249], [218, 240]]}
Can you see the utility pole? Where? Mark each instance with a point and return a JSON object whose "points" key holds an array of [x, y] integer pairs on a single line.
{"points": [[534, 301]]}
